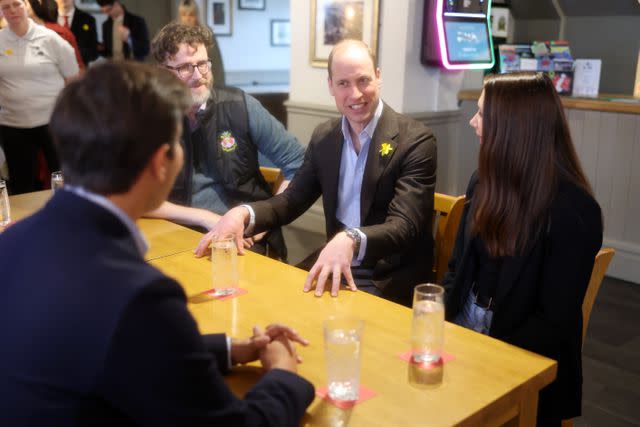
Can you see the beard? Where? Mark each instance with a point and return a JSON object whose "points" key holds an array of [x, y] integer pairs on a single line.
{"points": [[203, 96]]}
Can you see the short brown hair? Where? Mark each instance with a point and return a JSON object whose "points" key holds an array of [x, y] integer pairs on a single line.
{"points": [[107, 125], [350, 42], [167, 41]]}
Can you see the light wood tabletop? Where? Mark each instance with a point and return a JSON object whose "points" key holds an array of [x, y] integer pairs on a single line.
{"points": [[488, 383], [165, 238]]}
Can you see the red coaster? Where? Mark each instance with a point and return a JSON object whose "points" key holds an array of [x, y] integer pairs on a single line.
{"points": [[445, 357], [365, 394], [239, 292]]}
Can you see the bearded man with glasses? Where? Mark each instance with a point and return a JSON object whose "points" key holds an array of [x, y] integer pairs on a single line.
{"points": [[223, 133]]}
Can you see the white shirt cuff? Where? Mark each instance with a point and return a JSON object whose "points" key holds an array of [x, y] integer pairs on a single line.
{"points": [[252, 220], [228, 352]]}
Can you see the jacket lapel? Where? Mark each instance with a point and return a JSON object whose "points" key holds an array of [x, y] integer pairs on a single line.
{"points": [[331, 157], [382, 148]]}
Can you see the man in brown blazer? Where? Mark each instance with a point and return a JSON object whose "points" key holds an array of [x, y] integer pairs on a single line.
{"points": [[376, 172]]}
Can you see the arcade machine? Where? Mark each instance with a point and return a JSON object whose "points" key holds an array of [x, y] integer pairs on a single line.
{"points": [[456, 34]]}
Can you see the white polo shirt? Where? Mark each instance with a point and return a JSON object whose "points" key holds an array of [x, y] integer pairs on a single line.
{"points": [[32, 73]]}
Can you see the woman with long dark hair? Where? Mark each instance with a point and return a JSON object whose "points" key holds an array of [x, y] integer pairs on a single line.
{"points": [[528, 236]]}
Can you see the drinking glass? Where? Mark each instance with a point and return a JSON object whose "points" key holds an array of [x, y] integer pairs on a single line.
{"points": [[343, 352], [57, 181], [427, 329], [224, 262], [5, 209]]}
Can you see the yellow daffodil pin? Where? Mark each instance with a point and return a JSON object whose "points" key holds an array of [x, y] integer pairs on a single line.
{"points": [[385, 149], [85, 27], [8, 52]]}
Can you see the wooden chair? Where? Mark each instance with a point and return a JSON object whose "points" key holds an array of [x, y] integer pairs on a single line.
{"points": [[273, 176], [447, 211], [603, 258]]}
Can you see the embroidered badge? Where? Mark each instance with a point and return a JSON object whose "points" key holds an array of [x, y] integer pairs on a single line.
{"points": [[85, 27], [227, 142], [8, 52], [385, 149]]}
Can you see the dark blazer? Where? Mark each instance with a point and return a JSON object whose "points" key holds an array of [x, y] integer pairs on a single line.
{"points": [[139, 37], [538, 299], [93, 335], [83, 27], [396, 202]]}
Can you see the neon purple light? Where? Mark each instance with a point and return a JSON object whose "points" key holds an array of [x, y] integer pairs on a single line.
{"points": [[444, 54]]}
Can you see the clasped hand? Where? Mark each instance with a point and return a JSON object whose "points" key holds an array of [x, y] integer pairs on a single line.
{"points": [[274, 347]]}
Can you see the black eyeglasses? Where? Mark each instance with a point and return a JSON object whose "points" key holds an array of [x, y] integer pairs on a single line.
{"points": [[186, 70]]}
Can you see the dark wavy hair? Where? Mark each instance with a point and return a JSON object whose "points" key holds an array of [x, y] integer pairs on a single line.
{"points": [[525, 151], [41, 10], [107, 125], [167, 41]]}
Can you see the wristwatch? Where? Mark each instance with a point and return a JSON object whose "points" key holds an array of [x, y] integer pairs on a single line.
{"points": [[353, 234]]}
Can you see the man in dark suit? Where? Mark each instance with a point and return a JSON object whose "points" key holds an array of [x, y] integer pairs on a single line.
{"points": [[93, 335], [376, 171], [124, 35], [83, 27]]}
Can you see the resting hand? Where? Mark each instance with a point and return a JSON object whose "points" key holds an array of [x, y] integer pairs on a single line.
{"points": [[248, 350], [124, 33], [335, 259], [233, 222]]}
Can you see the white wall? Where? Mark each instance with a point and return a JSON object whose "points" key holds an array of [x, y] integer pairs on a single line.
{"points": [[249, 47]]}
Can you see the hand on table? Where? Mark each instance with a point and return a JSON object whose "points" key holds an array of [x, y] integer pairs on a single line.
{"points": [[233, 222], [273, 346], [335, 259]]}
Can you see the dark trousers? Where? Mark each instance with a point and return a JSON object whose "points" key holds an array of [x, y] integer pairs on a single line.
{"points": [[21, 148]]}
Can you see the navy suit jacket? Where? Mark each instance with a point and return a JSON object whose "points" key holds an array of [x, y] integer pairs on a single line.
{"points": [[396, 199], [93, 335], [83, 27], [139, 36]]}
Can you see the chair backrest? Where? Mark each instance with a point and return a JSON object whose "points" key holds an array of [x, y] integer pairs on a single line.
{"points": [[273, 176], [603, 258], [447, 211]]}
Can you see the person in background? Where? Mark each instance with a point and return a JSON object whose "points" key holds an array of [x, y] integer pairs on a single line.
{"points": [[188, 14], [83, 27], [376, 171], [124, 35], [529, 234], [35, 64], [40, 14], [224, 132], [94, 334]]}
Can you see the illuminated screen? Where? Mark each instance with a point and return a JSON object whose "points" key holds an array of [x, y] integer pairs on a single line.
{"points": [[467, 42]]}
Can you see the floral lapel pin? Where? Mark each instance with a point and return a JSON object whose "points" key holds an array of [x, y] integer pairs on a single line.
{"points": [[385, 149]]}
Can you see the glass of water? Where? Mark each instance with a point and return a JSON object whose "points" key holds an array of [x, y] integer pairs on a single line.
{"points": [[427, 328], [5, 209], [343, 352], [224, 263], [57, 181]]}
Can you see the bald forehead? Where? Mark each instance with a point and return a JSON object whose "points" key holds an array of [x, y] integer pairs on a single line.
{"points": [[353, 51]]}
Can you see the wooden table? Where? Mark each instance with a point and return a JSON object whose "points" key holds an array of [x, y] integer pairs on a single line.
{"points": [[165, 238], [489, 382]]}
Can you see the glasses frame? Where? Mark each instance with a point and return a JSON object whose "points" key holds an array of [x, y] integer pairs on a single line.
{"points": [[191, 68]]}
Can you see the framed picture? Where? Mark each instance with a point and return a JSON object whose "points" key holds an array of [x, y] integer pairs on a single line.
{"points": [[336, 20], [280, 32], [252, 4], [501, 22], [219, 17], [88, 5]]}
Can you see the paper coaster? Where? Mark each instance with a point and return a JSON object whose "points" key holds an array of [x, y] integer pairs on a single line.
{"points": [[238, 293], [445, 357], [365, 394]]}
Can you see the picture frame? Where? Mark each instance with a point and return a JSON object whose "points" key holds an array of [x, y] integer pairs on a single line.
{"points": [[220, 17], [501, 22], [252, 4], [88, 5], [335, 20], [280, 32]]}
